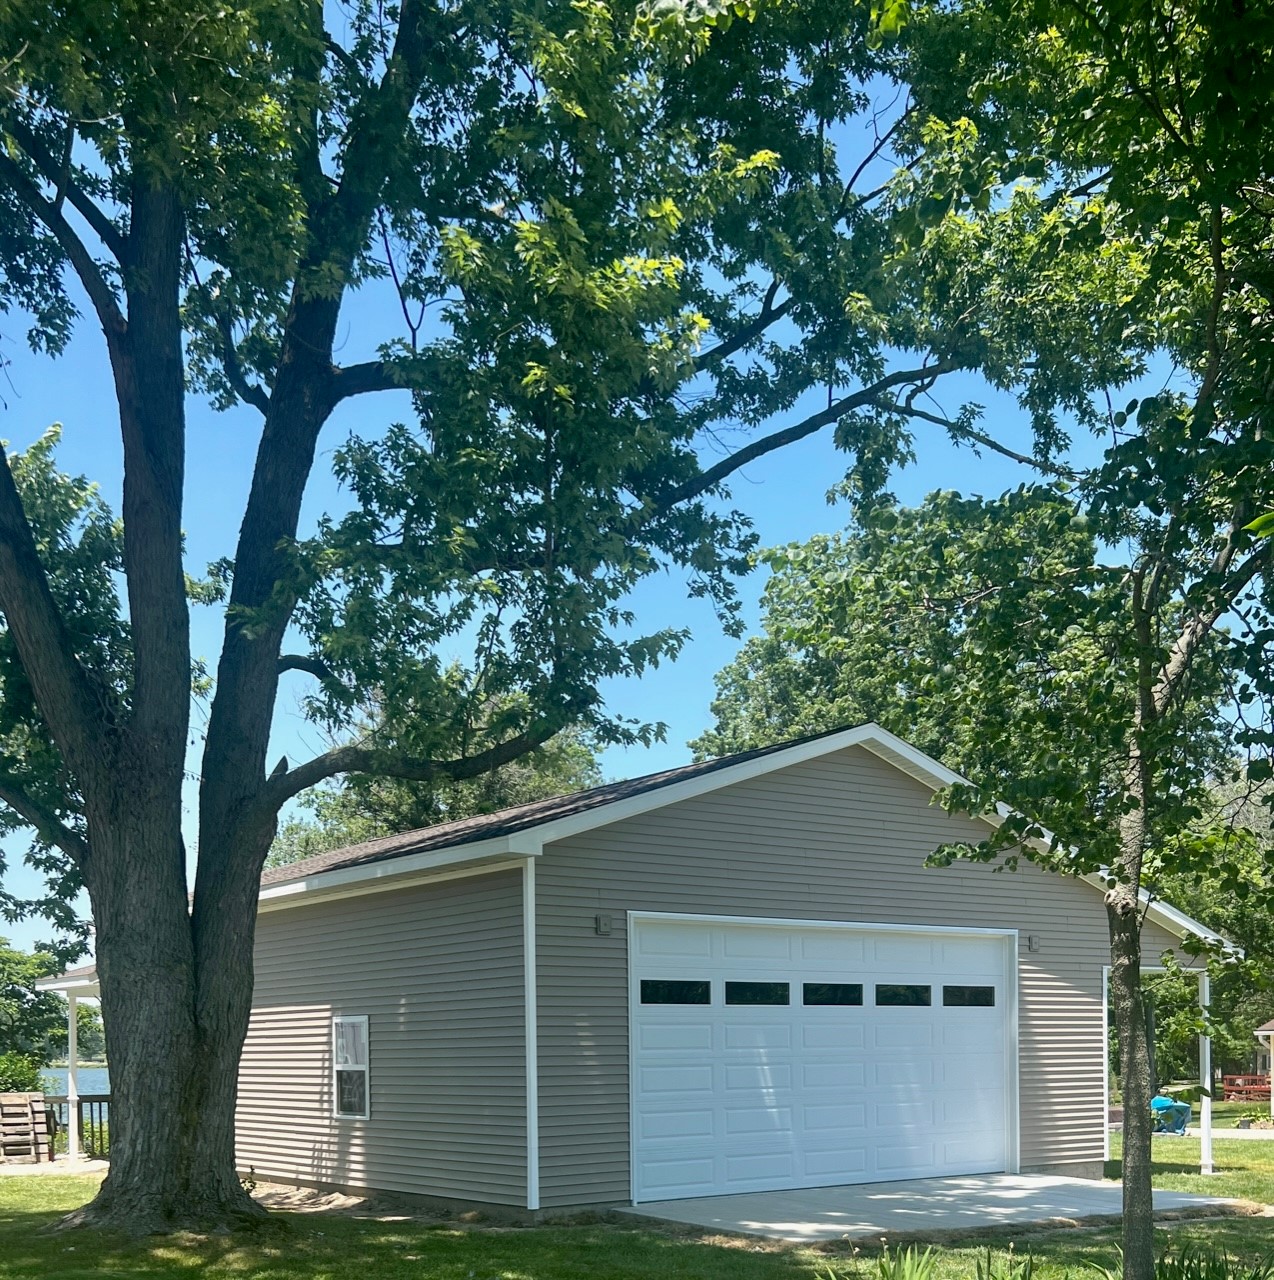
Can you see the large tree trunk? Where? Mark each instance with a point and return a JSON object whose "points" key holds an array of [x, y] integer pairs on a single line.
{"points": [[174, 1022], [1134, 1057]]}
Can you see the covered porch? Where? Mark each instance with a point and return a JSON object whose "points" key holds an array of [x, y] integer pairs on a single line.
{"points": [[83, 1117]]}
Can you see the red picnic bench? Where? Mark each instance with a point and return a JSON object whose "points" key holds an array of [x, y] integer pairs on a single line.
{"points": [[1248, 1088]]}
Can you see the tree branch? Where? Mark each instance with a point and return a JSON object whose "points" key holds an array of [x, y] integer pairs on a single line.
{"points": [[249, 392], [798, 431], [357, 759], [312, 666], [768, 315], [48, 825], [99, 291], [62, 687], [1197, 628], [359, 379], [980, 438], [115, 241]]}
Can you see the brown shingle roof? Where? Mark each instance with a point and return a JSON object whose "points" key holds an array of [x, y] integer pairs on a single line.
{"points": [[486, 826]]}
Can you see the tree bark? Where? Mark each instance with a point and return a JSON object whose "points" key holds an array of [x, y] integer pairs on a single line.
{"points": [[1134, 1057], [172, 1148]]}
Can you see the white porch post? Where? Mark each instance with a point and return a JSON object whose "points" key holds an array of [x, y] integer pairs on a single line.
{"points": [[72, 1079], [1205, 1077], [1267, 1039]]}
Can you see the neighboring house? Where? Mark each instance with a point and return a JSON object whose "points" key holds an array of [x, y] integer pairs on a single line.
{"points": [[733, 976], [1264, 1038]]}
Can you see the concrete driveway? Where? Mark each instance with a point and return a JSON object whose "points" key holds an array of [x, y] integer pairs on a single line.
{"points": [[902, 1208]]}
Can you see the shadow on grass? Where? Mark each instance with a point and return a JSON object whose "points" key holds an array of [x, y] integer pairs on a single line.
{"points": [[302, 1246]]}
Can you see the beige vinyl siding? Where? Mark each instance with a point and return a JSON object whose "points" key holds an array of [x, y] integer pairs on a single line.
{"points": [[843, 837], [438, 971]]}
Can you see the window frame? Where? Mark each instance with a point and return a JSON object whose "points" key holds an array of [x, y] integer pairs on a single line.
{"points": [[365, 1068]]}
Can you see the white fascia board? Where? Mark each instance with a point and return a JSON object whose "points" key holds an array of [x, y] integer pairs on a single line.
{"points": [[923, 768], [82, 987], [705, 783], [390, 872]]}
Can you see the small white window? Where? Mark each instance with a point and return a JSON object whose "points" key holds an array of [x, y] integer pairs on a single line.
{"points": [[349, 1068]]}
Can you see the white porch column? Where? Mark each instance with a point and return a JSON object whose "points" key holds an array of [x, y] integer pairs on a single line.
{"points": [[72, 1079], [1267, 1039], [1205, 1077]]}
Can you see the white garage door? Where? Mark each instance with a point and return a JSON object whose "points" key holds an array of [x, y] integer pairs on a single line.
{"points": [[768, 1056]]}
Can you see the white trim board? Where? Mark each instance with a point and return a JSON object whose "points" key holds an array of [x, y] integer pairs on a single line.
{"points": [[530, 1010], [531, 841]]}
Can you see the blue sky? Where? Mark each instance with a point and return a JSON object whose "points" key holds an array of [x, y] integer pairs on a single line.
{"points": [[784, 494]]}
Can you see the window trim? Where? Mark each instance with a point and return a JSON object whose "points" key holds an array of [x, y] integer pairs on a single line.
{"points": [[365, 1068]]}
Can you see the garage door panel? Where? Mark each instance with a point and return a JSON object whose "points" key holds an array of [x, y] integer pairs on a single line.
{"points": [[828, 1034], [756, 1076], [828, 946], [823, 1120], [684, 1176], [909, 1034], [679, 941], [757, 1120], [677, 1125], [747, 1172], [846, 1165], [739, 1097], [971, 1072], [756, 944], [971, 1034], [833, 1075], [896, 1157], [740, 1035], [678, 1080], [911, 1073], [903, 953], [677, 1037]]}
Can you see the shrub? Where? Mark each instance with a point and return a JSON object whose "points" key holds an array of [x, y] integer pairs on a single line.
{"points": [[20, 1073]]}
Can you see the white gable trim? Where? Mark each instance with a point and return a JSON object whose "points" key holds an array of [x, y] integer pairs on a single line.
{"points": [[887, 746]]}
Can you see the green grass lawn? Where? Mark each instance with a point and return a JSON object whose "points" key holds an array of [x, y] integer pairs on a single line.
{"points": [[1242, 1168], [1225, 1115], [320, 1246]]}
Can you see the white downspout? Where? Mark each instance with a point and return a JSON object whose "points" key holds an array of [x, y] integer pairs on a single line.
{"points": [[1205, 1077], [72, 1078]]}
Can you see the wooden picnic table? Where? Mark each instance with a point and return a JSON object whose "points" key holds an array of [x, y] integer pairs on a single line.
{"points": [[1245, 1088]]}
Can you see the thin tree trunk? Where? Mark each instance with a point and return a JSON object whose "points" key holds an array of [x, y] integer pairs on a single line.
{"points": [[1134, 1057]]}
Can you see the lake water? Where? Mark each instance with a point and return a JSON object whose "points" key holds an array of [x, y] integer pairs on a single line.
{"points": [[92, 1080]]}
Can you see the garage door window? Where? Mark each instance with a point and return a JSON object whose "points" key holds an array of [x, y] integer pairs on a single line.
{"points": [[837, 993], [903, 993], [675, 991], [757, 993], [969, 997]]}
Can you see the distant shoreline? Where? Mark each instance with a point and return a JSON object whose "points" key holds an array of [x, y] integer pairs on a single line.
{"points": [[63, 1065]]}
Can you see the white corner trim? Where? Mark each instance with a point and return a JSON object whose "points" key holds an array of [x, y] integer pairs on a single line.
{"points": [[1105, 1061], [1013, 1055], [531, 1033]]}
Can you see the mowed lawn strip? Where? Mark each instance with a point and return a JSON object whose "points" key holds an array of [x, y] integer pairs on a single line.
{"points": [[1243, 1168], [330, 1246]]}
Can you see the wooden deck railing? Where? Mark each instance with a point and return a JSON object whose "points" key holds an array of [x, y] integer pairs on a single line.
{"points": [[95, 1121]]}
